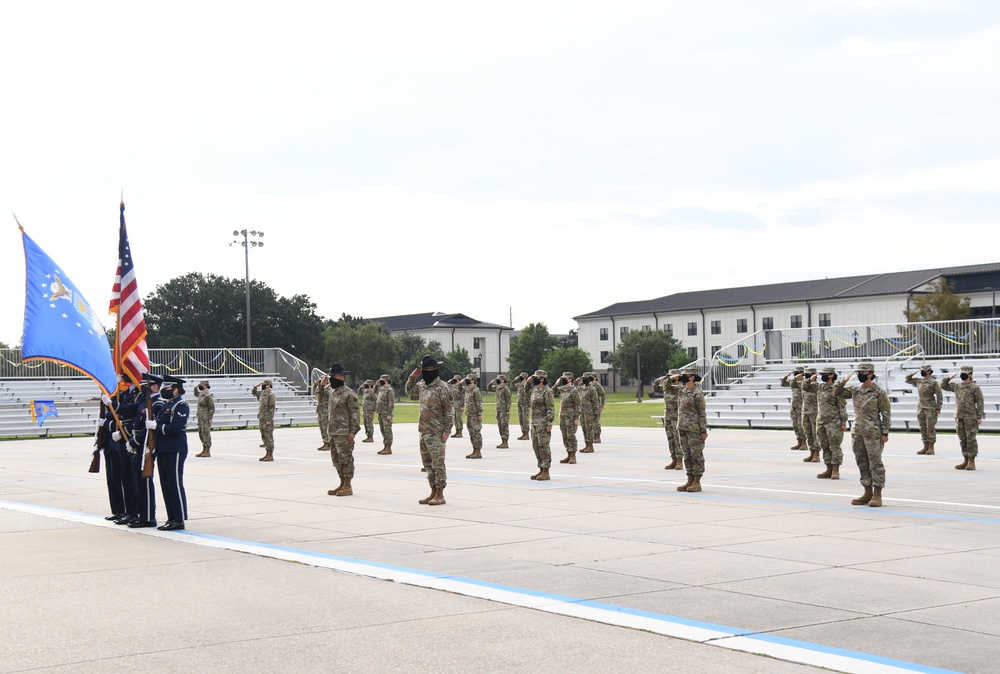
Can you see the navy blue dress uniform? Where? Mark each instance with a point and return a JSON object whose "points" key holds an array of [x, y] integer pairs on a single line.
{"points": [[122, 485], [170, 426], [146, 496]]}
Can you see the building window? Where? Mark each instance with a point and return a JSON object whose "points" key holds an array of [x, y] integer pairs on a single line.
{"points": [[604, 334], [716, 327], [692, 329], [477, 363], [824, 320], [767, 323], [693, 352], [741, 325], [796, 321], [477, 342], [796, 349], [646, 328], [604, 379], [669, 328], [715, 349], [622, 331], [604, 356]]}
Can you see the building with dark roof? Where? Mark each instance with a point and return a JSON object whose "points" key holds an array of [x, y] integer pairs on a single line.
{"points": [[707, 320], [488, 344]]}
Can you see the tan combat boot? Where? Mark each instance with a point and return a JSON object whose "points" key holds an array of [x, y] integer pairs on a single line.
{"points": [[535, 476], [962, 466], [369, 439], [544, 475], [438, 498], [680, 463], [386, 449], [972, 463], [924, 450], [876, 500], [268, 455], [568, 457], [503, 445], [826, 474], [813, 456], [588, 449], [835, 472], [684, 487], [346, 489], [476, 454], [523, 436], [333, 492], [325, 448], [672, 464], [572, 458], [425, 501], [864, 498], [798, 445], [930, 448], [597, 439], [205, 452], [695, 484], [457, 433]]}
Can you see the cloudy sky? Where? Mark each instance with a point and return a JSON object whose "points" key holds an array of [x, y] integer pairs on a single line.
{"points": [[543, 159]]}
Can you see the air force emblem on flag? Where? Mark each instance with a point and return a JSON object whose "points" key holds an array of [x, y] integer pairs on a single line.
{"points": [[42, 410]]}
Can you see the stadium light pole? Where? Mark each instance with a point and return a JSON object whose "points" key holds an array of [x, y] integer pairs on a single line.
{"points": [[638, 370], [247, 243]]}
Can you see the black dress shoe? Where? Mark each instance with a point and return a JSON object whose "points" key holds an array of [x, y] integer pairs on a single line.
{"points": [[126, 520], [140, 524], [113, 516], [171, 526]]}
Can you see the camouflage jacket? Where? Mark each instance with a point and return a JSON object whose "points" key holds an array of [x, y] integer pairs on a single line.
{"points": [[543, 406], [570, 405], [206, 405], [671, 393], [871, 408], [460, 394], [503, 397], [368, 396], [322, 393], [691, 410], [590, 404], [345, 415], [601, 396], [968, 399], [267, 399], [385, 403], [437, 409], [796, 387], [522, 399], [809, 402], [929, 396], [830, 408], [473, 401]]}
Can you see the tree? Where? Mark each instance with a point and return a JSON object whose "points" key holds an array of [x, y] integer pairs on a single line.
{"points": [[939, 304], [567, 359], [3, 345], [572, 339], [657, 348], [528, 348], [455, 363], [366, 350]]}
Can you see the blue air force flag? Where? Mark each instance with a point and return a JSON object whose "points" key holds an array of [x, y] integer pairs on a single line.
{"points": [[59, 324], [42, 410]]}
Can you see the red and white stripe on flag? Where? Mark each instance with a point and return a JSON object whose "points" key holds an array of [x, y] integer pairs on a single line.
{"points": [[131, 355]]}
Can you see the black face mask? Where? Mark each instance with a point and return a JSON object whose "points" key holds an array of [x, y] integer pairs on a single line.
{"points": [[825, 378], [863, 377], [684, 379], [336, 383], [964, 376], [167, 393], [428, 375], [924, 373]]}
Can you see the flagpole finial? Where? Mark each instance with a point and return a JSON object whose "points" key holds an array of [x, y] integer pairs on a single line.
{"points": [[17, 221], [123, 198]]}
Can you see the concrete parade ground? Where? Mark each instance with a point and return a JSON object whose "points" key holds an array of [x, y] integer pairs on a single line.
{"points": [[606, 568]]}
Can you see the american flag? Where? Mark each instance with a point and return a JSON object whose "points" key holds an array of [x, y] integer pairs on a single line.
{"points": [[131, 356]]}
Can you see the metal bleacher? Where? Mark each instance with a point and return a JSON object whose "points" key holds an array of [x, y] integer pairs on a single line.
{"points": [[77, 400]]}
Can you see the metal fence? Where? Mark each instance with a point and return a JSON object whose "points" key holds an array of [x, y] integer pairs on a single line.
{"points": [[181, 362], [970, 338]]}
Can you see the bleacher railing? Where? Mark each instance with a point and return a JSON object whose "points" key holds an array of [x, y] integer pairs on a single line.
{"points": [[970, 338], [181, 362]]}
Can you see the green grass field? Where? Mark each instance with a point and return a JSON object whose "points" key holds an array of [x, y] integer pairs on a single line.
{"points": [[621, 409]]}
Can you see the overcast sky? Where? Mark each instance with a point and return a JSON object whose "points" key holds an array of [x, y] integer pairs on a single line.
{"points": [[544, 158]]}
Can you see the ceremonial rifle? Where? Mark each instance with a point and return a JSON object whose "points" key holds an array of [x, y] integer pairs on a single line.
{"points": [[99, 439], [147, 463]]}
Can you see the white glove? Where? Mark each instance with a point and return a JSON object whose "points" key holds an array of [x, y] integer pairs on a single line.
{"points": [[100, 421], [105, 399], [151, 425], [116, 436]]}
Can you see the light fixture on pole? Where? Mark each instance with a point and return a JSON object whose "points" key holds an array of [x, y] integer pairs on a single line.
{"points": [[247, 243]]}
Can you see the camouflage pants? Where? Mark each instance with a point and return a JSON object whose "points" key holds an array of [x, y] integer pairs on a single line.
{"points": [[830, 439], [809, 429], [796, 414], [369, 420], [568, 428], [597, 425], [385, 428], [673, 440], [205, 432], [524, 417], [967, 430], [868, 454], [342, 455], [459, 411], [928, 425], [267, 434], [540, 442], [588, 422], [432, 456], [475, 427], [503, 424], [323, 418], [694, 451]]}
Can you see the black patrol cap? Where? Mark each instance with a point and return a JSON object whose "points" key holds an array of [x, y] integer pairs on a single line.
{"points": [[337, 368], [428, 362], [152, 378], [171, 379]]}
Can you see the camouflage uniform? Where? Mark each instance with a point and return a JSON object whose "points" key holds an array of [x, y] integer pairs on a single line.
{"points": [[503, 408], [671, 392], [265, 414], [809, 409], [435, 422], [569, 411], [795, 412], [474, 414], [368, 397], [543, 413], [523, 404], [929, 401], [459, 407], [321, 390], [831, 419], [969, 410], [871, 421], [589, 406], [206, 412], [344, 421], [385, 404], [601, 399], [691, 425]]}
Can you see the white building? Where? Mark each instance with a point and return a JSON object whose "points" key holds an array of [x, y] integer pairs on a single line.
{"points": [[488, 344], [708, 320]]}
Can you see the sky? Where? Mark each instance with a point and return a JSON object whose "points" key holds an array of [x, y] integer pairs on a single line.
{"points": [[518, 162]]}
